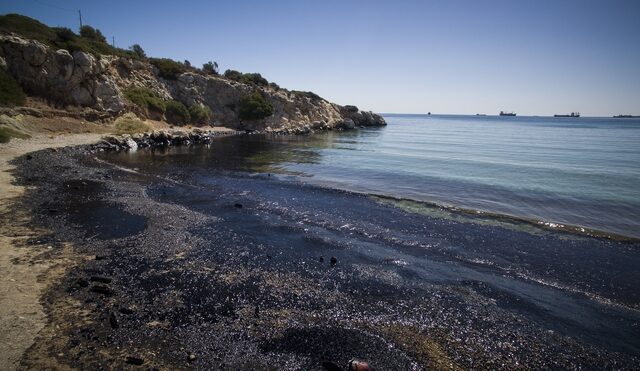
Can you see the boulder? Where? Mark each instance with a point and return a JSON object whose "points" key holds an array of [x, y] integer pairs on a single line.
{"points": [[35, 53], [131, 144]]}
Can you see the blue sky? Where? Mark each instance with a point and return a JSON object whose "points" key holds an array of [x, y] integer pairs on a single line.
{"points": [[534, 57]]}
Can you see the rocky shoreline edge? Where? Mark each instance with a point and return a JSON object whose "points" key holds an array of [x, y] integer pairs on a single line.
{"points": [[185, 137]]}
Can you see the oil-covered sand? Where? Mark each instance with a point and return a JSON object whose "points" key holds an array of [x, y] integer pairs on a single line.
{"points": [[232, 270]]}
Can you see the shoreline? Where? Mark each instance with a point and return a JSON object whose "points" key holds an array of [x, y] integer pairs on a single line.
{"points": [[24, 274], [27, 273], [508, 218], [281, 303]]}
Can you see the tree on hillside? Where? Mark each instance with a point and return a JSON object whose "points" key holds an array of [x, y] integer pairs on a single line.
{"points": [[91, 33], [138, 51], [210, 68], [64, 34]]}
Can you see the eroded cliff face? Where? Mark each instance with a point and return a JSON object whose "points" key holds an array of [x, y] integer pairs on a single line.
{"points": [[81, 79]]}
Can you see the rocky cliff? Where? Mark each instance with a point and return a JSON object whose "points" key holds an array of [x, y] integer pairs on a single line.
{"points": [[81, 79]]}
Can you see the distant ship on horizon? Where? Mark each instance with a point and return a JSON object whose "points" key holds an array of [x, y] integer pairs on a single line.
{"points": [[502, 113], [625, 117], [573, 114]]}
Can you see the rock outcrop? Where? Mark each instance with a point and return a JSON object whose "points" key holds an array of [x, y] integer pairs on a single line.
{"points": [[81, 79]]}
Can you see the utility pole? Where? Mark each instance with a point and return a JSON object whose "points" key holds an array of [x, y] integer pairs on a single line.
{"points": [[113, 41], [80, 14]]}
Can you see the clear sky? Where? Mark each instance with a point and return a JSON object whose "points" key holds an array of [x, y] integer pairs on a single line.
{"points": [[535, 57]]}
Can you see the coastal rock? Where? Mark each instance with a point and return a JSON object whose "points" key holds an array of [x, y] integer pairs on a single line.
{"points": [[82, 79], [131, 144], [35, 53]]}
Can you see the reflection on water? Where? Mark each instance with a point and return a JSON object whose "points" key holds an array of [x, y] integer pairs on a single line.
{"points": [[257, 153]]}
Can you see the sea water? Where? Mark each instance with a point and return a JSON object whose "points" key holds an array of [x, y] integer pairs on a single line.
{"points": [[576, 171]]}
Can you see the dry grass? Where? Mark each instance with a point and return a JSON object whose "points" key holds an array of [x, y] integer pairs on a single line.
{"points": [[129, 123], [424, 349], [6, 133]]}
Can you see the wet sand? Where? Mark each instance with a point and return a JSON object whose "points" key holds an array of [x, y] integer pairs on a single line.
{"points": [[229, 270]]}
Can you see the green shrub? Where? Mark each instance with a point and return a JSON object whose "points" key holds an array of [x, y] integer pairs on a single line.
{"points": [[233, 75], [254, 78], [145, 98], [129, 123], [7, 133], [168, 68], [311, 95], [177, 113], [138, 51], [60, 37], [211, 68], [93, 34], [27, 27], [247, 78], [11, 93], [200, 114], [254, 107], [64, 34]]}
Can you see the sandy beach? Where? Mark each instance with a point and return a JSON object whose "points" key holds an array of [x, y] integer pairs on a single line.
{"points": [[24, 274]]}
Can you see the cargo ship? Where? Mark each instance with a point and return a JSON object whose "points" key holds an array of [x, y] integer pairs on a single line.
{"points": [[573, 114], [626, 117], [507, 113]]}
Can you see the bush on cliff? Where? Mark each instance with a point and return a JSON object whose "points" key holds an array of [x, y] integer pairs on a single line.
{"points": [[64, 34], [27, 27], [246, 78], [11, 93], [254, 107], [177, 113], [93, 34], [210, 68], [309, 94], [200, 114], [168, 68], [92, 41], [145, 98], [138, 51], [129, 123]]}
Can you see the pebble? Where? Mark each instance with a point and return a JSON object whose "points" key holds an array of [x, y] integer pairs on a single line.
{"points": [[113, 320], [126, 310], [133, 360], [101, 289], [100, 279]]}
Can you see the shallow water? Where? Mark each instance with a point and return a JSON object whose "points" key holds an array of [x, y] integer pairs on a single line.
{"points": [[577, 286], [576, 171]]}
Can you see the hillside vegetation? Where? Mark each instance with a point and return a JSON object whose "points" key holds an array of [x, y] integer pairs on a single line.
{"points": [[90, 40]]}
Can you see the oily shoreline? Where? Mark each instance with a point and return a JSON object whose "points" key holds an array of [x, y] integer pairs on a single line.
{"points": [[154, 289]]}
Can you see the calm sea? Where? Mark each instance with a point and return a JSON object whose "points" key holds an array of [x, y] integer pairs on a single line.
{"points": [[576, 171]]}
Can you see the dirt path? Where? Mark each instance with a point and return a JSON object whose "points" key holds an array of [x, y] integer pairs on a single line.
{"points": [[23, 276]]}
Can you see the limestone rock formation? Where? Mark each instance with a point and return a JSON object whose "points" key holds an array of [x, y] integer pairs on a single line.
{"points": [[82, 79]]}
